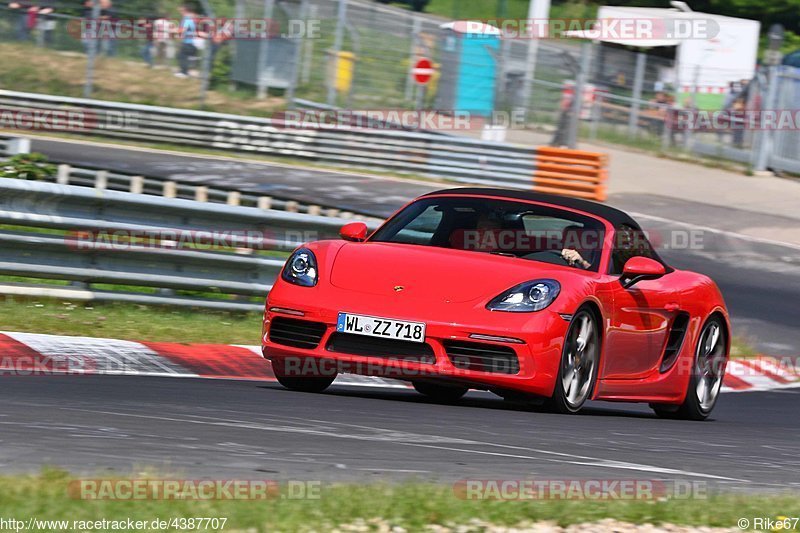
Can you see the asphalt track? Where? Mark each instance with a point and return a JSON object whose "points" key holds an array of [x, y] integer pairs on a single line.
{"points": [[256, 430]]}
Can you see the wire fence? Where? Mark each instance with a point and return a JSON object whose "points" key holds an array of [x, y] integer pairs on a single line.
{"points": [[360, 55]]}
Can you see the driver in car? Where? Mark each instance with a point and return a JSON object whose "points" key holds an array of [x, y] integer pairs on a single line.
{"points": [[570, 238]]}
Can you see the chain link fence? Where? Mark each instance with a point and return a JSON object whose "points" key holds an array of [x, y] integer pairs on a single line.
{"points": [[360, 56]]}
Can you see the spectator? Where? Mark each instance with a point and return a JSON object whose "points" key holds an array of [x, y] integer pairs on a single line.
{"points": [[26, 18], [107, 43], [147, 47], [45, 24], [163, 32], [189, 37]]}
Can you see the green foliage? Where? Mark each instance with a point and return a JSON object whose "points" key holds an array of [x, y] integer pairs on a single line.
{"points": [[33, 166], [221, 69]]}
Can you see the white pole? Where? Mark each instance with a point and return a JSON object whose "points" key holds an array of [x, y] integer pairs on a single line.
{"points": [[537, 10]]}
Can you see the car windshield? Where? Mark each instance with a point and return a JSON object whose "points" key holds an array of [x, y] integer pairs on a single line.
{"points": [[504, 227]]}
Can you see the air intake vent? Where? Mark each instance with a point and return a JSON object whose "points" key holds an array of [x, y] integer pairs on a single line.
{"points": [[296, 333], [482, 357], [676, 335], [376, 347]]}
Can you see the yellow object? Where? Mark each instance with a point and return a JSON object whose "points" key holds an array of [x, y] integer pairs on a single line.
{"points": [[340, 67]]}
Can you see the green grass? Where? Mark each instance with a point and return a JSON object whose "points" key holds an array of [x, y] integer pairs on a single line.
{"points": [[128, 321], [412, 506]]}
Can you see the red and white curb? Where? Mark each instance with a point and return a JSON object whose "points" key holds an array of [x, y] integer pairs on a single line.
{"points": [[26, 354]]}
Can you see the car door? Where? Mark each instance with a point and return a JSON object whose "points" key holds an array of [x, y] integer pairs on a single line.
{"points": [[641, 317]]}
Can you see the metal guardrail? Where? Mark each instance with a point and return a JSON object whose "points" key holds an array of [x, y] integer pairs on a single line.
{"points": [[128, 182], [89, 237], [457, 158], [13, 145]]}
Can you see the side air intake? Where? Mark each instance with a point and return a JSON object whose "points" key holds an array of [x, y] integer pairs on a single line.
{"points": [[675, 341]]}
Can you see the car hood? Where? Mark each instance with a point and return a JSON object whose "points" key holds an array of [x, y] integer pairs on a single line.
{"points": [[429, 273]]}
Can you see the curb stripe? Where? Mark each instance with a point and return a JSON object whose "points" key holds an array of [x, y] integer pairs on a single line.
{"points": [[33, 353]]}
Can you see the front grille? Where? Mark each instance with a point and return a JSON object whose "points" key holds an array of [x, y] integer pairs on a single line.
{"points": [[296, 333], [376, 347], [482, 357]]}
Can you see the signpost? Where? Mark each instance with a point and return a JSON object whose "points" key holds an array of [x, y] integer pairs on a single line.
{"points": [[422, 73]]}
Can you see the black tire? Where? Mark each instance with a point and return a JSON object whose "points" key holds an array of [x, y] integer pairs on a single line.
{"points": [[307, 382], [582, 346], [710, 354], [440, 392]]}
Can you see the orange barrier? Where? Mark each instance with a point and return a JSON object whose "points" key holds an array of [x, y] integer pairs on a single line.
{"points": [[571, 173]]}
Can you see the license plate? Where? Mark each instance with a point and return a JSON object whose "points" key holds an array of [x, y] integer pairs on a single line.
{"points": [[385, 328]]}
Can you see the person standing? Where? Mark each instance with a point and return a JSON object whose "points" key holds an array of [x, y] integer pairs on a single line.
{"points": [[147, 47], [163, 32], [26, 19], [188, 36]]}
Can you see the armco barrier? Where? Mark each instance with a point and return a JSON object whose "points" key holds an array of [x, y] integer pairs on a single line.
{"points": [[13, 145], [53, 244], [456, 158], [571, 172]]}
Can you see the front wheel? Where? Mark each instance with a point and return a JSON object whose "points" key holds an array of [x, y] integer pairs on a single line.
{"points": [[579, 360], [440, 392], [302, 375], [708, 370]]}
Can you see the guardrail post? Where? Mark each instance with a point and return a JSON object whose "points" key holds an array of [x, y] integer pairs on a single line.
{"points": [[264, 202], [62, 177], [201, 194], [137, 184], [234, 198], [18, 145], [101, 180], [170, 189]]}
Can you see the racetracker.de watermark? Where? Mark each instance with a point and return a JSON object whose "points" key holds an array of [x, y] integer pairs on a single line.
{"points": [[192, 489], [187, 239], [579, 489], [727, 120], [642, 29], [76, 119], [397, 119], [215, 28]]}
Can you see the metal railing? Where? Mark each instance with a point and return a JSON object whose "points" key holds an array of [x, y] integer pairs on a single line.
{"points": [[13, 145], [425, 154], [121, 246], [101, 179]]}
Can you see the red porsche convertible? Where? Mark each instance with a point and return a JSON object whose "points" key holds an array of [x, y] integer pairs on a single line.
{"points": [[519, 293]]}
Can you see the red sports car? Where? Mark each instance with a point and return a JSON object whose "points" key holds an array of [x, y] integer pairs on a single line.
{"points": [[518, 293]]}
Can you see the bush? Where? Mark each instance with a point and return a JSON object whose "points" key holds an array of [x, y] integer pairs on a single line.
{"points": [[33, 166]]}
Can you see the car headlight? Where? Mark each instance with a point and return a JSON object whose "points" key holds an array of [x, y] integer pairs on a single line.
{"points": [[526, 297], [301, 268]]}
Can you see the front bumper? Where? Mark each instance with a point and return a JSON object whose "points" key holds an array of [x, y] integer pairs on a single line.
{"points": [[538, 353]]}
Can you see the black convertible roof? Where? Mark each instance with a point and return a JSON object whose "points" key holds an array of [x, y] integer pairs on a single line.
{"points": [[613, 215]]}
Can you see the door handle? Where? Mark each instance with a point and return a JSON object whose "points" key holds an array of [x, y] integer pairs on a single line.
{"points": [[672, 307]]}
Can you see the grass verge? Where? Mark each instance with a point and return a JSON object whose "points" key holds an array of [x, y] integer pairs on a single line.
{"points": [[412, 506], [129, 321]]}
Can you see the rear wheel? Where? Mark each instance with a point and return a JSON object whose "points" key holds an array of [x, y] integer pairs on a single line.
{"points": [[707, 373], [302, 375], [579, 360], [440, 392]]}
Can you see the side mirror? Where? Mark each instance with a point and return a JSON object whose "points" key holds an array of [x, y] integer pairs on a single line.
{"points": [[354, 231], [639, 268]]}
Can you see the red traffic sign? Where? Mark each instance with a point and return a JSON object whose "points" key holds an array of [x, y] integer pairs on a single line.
{"points": [[423, 71]]}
